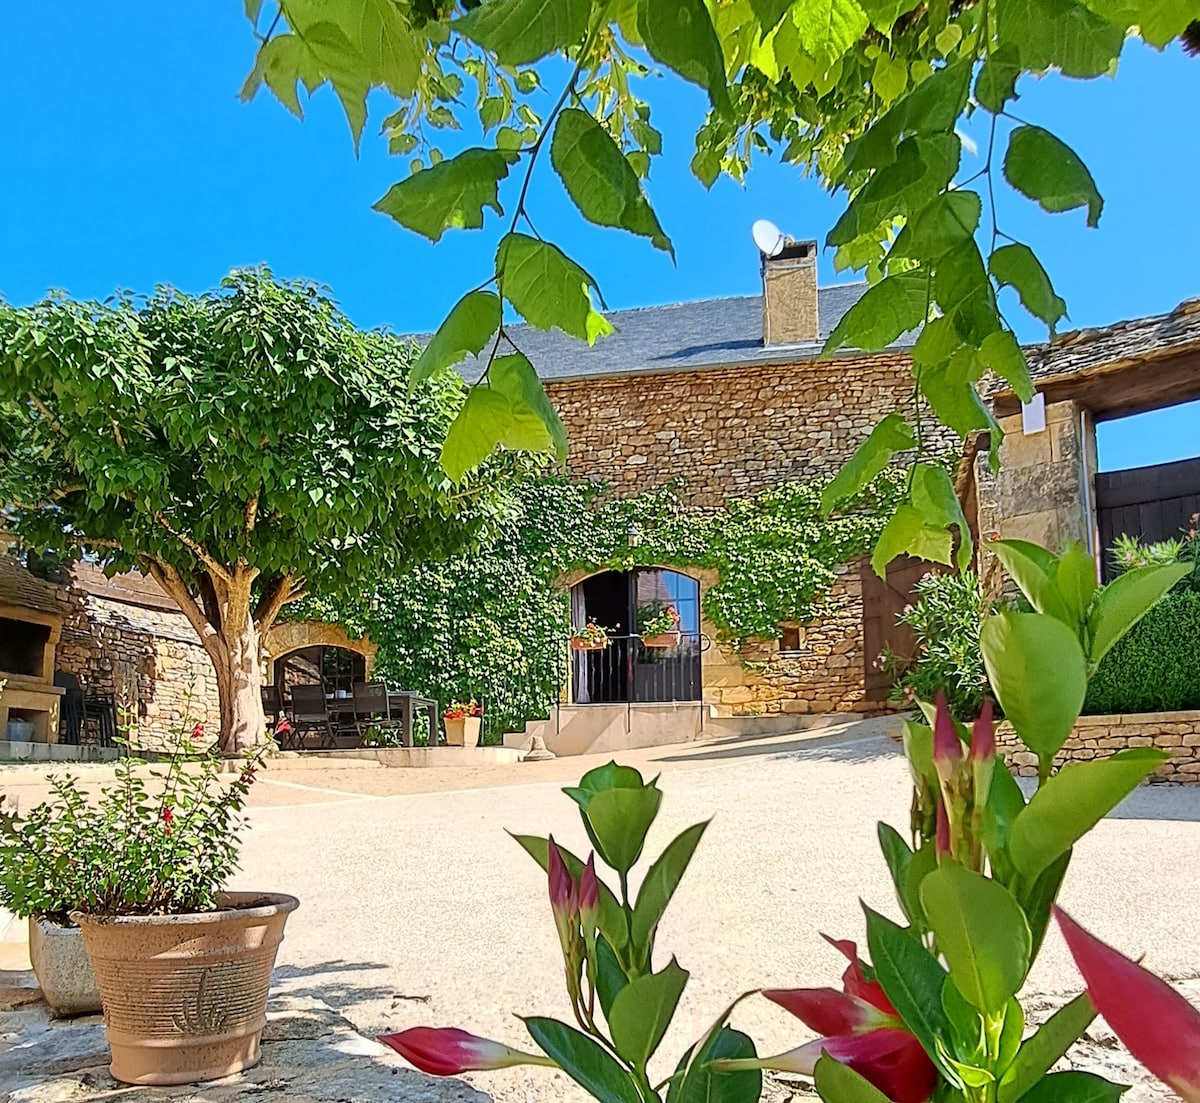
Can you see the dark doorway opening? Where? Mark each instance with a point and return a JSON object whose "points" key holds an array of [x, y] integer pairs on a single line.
{"points": [[627, 670], [1152, 503], [335, 668]]}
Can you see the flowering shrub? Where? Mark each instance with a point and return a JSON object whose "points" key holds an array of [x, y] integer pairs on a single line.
{"points": [[934, 1014], [657, 618], [155, 842], [458, 710], [590, 635], [621, 1005]]}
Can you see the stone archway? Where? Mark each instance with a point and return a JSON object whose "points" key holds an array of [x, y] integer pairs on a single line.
{"points": [[288, 636]]}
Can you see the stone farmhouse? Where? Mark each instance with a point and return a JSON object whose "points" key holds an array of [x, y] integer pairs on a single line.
{"points": [[721, 398]]}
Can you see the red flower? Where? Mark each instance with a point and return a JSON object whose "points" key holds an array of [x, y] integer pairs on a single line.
{"points": [[448, 1051], [860, 1028], [1158, 1026], [198, 730]]}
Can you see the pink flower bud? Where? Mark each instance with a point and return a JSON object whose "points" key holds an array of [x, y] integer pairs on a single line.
{"points": [[1158, 1026], [828, 1011], [448, 1051], [983, 735], [947, 747], [562, 884], [943, 829], [589, 892]]}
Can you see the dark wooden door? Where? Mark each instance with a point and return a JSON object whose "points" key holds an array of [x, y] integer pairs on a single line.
{"points": [[1151, 503], [883, 600]]}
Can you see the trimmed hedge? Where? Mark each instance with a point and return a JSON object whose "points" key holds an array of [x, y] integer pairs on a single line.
{"points": [[1156, 667]]}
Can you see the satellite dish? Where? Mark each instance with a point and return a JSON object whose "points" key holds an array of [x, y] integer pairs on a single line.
{"points": [[769, 238]]}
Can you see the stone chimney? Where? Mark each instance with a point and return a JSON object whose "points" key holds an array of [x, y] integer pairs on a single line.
{"points": [[790, 295]]}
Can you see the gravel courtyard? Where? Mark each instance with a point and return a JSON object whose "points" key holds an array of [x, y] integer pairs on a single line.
{"points": [[416, 907]]}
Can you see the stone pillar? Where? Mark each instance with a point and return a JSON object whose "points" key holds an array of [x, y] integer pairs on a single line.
{"points": [[1045, 491]]}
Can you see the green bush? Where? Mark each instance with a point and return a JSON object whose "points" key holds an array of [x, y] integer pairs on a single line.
{"points": [[946, 617], [1156, 667]]}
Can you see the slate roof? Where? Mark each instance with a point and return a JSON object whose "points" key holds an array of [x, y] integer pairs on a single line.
{"points": [[711, 333], [20, 588]]}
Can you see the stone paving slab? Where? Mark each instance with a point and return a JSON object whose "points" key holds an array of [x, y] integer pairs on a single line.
{"points": [[311, 1054]]}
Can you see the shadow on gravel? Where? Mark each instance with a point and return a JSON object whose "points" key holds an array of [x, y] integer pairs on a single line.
{"points": [[335, 983]]}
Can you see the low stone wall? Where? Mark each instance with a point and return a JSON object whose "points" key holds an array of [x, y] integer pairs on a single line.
{"points": [[1178, 733]]}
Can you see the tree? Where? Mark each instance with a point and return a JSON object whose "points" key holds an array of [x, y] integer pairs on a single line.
{"points": [[865, 95], [242, 447]]}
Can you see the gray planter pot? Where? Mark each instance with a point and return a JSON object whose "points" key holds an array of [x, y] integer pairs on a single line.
{"points": [[62, 968]]}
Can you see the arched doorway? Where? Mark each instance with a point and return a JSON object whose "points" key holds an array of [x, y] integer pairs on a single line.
{"points": [[628, 670], [335, 668]]}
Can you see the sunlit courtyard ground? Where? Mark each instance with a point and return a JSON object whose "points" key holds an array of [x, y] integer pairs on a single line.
{"points": [[417, 908]]}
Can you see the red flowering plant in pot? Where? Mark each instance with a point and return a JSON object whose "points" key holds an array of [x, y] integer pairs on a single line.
{"points": [[182, 966], [621, 999], [935, 1014], [463, 720]]}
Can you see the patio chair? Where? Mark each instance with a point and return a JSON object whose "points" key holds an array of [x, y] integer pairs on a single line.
{"points": [[310, 712], [371, 707], [272, 703]]}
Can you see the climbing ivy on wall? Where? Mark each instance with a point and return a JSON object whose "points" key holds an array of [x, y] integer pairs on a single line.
{"points": [[494, 623]]}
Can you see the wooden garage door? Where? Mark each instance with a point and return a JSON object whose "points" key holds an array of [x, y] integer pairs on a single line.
{"points": [[1151, 503], [882, 601]]}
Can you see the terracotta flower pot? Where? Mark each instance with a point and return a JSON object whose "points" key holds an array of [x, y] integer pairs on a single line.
{"points": [[185, 996], [62, 968], [662, 639], [462, 731], [588, 645]]}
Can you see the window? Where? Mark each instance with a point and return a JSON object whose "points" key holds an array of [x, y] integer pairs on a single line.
{"points": [[791, 639]]}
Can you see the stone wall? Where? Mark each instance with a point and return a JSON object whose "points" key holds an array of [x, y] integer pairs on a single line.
{"points": [[1178, 733], [148, 660], [826, 674], [727, 432], [1043, 491]]}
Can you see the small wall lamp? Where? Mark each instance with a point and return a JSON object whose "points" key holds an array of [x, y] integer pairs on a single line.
{"points": [[633, 535]]}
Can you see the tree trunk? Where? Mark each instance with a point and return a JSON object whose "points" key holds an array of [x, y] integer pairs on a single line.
{"points": [[239, 689]]}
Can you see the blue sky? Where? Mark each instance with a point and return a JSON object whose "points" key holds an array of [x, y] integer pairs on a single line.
{"points": [[128, 160]]}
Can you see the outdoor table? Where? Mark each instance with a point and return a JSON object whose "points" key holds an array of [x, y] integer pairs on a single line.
{"points": [[403, 706]]}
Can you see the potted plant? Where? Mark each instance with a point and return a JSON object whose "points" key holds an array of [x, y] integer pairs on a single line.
{"points": [[591, 637], [659, 624], [36, 884], [183, 968], [463, 720]]}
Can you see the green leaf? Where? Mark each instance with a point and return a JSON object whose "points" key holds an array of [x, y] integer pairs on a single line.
{"points": [[1038, 672], [450, 195], [680, 34], [1050, 173], [284, 61], [947, 221], [893, 434], [1075, 579], [1074, 1087], [838, 1083], [617, 821], [1043, 1049], [341, 63], [955, 402], [899, 857], [521, 31], [907, 533], [1001, 353], [1037, 900], [934, 498], [769, 12], [547, 287], [513, 376], [610, 977], [997, 80], [1125, 600], [1033, 569], [1004, 803], [964, 292], [643, 1010], [612, 775], [910, 976], [486, 421], [392, 51], [600, 180], [1060, 34], [1016, 266], [584, 1061], [1072, 802], [894, 306], [924, 862], [695, 1081], [884, 13], [612, 915], [982, 933], [933, 106], [661, 881], [826, 29], [467, 328], [921, 169]]}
